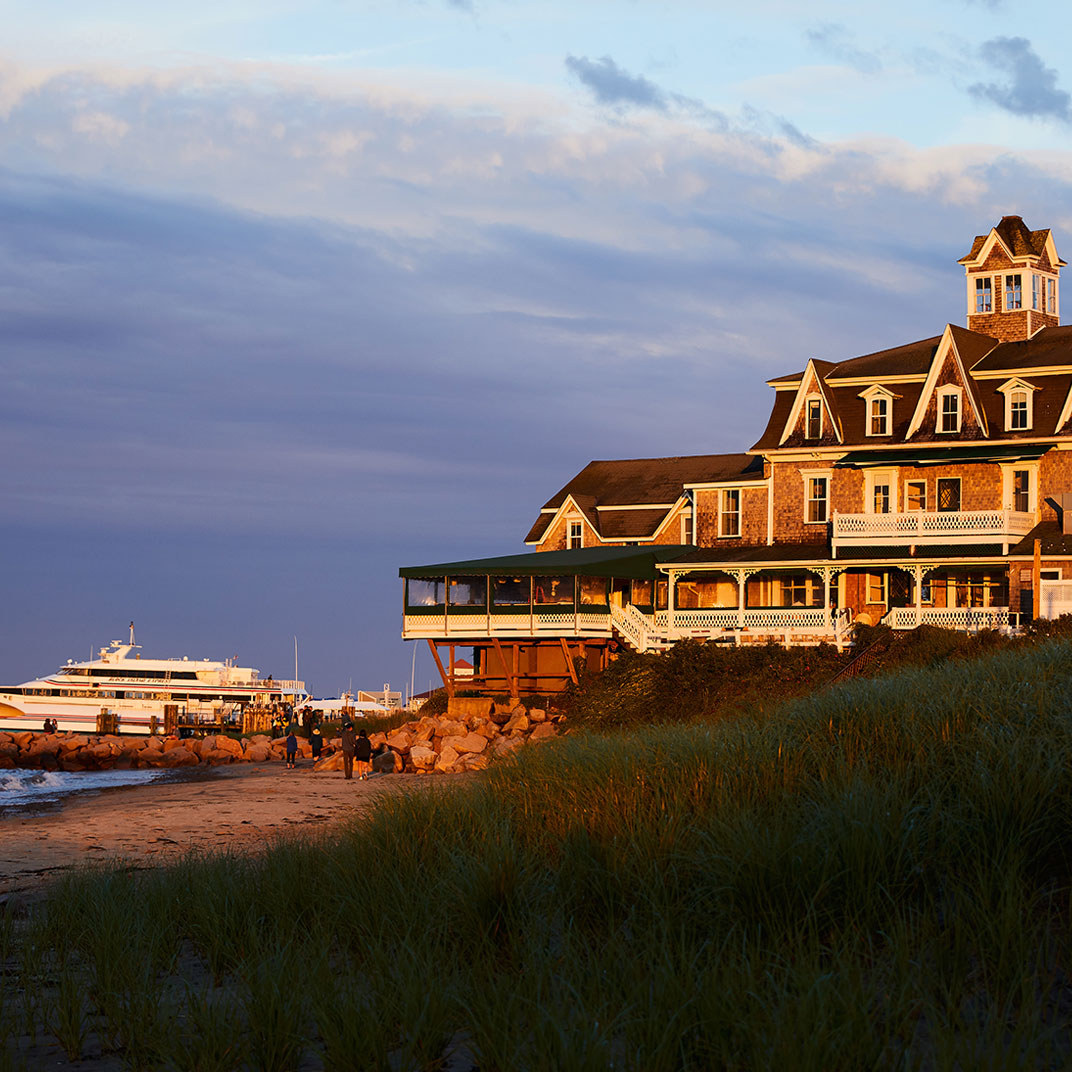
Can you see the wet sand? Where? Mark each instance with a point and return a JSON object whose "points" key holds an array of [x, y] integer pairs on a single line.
{"points": [[238, 808]]}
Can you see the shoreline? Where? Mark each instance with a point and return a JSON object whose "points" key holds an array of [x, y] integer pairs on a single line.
{"points": [[220, 809]]}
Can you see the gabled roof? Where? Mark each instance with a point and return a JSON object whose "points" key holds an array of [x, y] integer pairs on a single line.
{"points": [[654, 484], [1015, 237], [911, 359], [1047, 348]]}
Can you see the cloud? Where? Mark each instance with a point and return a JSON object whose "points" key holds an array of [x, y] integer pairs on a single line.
{"points": [[1032, 87], [613, 85], [834, 40]]}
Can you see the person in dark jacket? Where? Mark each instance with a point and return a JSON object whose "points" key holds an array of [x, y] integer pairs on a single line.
{"points": [[292, 749], [349, 744], [316, 742], [363, 754]]}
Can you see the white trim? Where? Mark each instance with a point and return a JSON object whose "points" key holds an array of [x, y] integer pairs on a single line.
{"points": [[1008, 389], [960, 494], [816, 474], [810, 375], [946, 348], [1066, 412], [1007, 470], [1038, 370], [926, 493], [722, 512], [880, 476], [873, 394], [640, 506], [973, 290], [570, 522], [949, 390], [714, 485]]}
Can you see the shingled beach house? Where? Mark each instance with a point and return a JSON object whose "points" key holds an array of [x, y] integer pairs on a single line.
{"points": [[928, 483]]}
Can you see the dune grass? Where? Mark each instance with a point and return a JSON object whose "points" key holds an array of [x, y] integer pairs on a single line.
{"points": [[877, 876]]}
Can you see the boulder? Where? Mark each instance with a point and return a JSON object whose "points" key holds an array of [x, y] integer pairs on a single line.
{"points": [[489, 730], [517, 724], [502, 713], [23, 739], [228, 744], [387, 762], [400, 740], [216, 756], [73, 744], [258, 753], [172, 743], [374, 739], [447, 759], [543, 732], [472, 761], [422, 757], [153, 744], [537, 714], [6, 762], [451, 728], [260, 738], [503, 746], [9, 748], [305, 749], [179, 757], [329, 763]]}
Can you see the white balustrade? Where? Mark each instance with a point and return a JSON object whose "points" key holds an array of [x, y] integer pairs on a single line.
{"points": [[950, 617], [920, 525]]}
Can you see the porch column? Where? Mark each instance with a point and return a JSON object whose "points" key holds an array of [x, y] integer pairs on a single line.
{"points": [[826, 594], [670, 586], [919, 594], [740, 598]]}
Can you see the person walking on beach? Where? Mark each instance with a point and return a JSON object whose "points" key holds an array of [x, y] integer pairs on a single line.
{"points": [[363, 754], [292, 749], [316, 742], [349, 746]]}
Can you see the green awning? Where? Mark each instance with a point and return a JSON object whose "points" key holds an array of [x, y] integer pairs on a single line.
{"points": [[984, 452], [627, 562]]}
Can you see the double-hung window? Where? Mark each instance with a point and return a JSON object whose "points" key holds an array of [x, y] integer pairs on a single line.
{"points": [[1051, 296], [984, 296], [817, 499], [949, 410], [915, 495], [1021, 490], [813, 428], [1036, 291], [575, 535], [729, 513], [1014, 293], [1018, 411], [880, 416]]}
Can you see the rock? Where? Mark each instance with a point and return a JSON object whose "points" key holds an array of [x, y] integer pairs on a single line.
{"points": [[387, 762], [23, 740], [489, 730], [260, 738], [73, 744], [179, 757], [374, 739], [329, 763], [502, 713], [451, 728], [400, 740], [422, 757], [305, 749], [9, 748], [258, 753], [228, 744], [216, 756], [153, 744], [537, 714], [473, 761], [171, 743], [447, 759], [471, 742], [503, 746], [517, 724], [6, 762], [543, 732]]}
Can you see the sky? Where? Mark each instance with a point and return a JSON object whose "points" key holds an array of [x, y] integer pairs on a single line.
{"points": [[295, 294]]}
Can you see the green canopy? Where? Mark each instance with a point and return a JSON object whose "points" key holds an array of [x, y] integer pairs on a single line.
{"points": [[628, 562], [984, 452]]}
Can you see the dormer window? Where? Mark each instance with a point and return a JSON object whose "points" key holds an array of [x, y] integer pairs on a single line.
{"points": [[984, 295], [813, 420], [878, 419], [948, 409], [575, 535], [1019, 415], [1014, 296]]}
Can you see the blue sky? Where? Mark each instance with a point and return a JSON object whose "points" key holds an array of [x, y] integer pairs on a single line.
{"points": [[291, 295]]}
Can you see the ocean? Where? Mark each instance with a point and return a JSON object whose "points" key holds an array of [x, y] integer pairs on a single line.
{"points": [[27, 789]]}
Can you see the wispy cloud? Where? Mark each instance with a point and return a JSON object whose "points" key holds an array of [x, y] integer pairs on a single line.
{"points": [[1031, 89], [610, 84], [834, 40]]}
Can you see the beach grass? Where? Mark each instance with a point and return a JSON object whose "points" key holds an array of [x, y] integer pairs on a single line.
{"points": [[875, 876]]}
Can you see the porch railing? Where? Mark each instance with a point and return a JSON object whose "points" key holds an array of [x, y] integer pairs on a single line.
{"points": [[922, 526], [950, 617], [775, 619]]}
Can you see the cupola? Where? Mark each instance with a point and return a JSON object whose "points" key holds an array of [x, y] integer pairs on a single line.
{"points": [[1013, 281]]}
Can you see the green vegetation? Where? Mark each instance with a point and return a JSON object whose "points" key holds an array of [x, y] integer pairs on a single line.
{"points": [[875, 876]]}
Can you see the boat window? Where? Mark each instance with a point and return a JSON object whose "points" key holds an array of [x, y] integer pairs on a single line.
{"points": [[553, 590], [512, 591], [422, 592], [468, 591], [593, 591]]}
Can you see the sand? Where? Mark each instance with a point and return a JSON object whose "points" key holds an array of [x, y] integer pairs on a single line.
{"points": [[238, 808]]}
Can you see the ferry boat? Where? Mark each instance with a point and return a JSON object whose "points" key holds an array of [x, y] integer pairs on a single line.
{"points": [[121, 690]]}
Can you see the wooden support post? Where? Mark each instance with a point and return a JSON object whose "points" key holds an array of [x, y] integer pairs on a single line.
{"points": [[511, 681], [450, 667], [1036, 581], [439, 664], [569, 661], [515, 692]]}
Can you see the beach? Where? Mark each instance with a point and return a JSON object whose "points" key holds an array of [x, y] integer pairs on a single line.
{"points": [[240, 808]]}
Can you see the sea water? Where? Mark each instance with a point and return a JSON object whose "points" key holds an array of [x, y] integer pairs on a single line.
{"points": [[29, 788]]}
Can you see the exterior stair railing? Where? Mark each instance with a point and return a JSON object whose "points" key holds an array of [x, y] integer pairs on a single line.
{"points": [[635, 629]]}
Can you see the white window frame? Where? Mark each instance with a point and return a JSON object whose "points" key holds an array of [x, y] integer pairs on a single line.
{"points": [[570, 523], [816, 474], [1010, 388], [880, 478], [1005, 304], [1038, 292], [926, 494], [974, 290], [884, 584], [723, 513], [688, 527], [1051, 305], [809, 401], [1008, 485], [949, 390]]}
